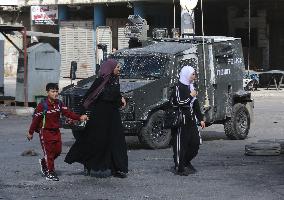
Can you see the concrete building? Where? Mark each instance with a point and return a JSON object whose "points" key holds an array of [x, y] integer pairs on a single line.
{"points": [[231, 18], [81, 24], [12, 14], [77, 22]]}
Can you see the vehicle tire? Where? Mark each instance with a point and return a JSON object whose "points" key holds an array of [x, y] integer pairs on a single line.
{"points": [[152, 135], [76, 134], [237, 127], [263, 149]]}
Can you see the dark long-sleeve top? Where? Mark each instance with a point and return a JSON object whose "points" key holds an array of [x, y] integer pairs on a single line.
{"points": [[110, 93], [182, 99], [52, 116]]}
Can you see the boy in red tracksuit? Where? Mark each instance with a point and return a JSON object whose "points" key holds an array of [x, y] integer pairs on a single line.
{"points": [[46, 120]]}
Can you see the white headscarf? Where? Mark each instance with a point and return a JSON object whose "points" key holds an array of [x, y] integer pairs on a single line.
{"points": [[184, 75]]}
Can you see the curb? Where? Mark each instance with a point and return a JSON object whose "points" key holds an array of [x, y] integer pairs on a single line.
{"points": [[15, 110]]}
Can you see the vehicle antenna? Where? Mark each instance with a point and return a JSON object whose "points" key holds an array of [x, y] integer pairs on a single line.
{"points": [[249, 34], [206, 103]]}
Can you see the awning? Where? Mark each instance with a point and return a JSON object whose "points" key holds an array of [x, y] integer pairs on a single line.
{"points": [[10, 28], [42, 34]]}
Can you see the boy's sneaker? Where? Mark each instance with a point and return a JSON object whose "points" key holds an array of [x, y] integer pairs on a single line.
{"points": [[52, 176], [43, 167]]}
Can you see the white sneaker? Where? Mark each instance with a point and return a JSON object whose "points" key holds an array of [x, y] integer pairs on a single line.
{"points": [[51, 176]]}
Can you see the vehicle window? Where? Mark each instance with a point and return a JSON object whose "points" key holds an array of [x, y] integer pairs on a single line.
{"points": [[224, 54], [191, 62], [150, 66]]}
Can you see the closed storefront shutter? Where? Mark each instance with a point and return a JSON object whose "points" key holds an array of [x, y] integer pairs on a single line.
{"points": [[77, 44], [117, 25]]}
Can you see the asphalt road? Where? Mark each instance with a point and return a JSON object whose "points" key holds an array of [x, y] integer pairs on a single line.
{"points": [[224, 172]]}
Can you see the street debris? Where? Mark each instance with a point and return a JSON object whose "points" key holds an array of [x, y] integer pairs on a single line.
{"points": [[280, 141], [263, 149], [29, 152], [3, 115]]}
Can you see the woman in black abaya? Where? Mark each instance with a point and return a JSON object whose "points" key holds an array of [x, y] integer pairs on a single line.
{"points": [[102, 145]]}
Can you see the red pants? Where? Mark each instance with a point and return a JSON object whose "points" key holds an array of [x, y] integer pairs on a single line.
{"points": [[51, 145]]}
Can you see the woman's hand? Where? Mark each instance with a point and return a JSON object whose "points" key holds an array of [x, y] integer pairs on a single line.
{"points": [[193, 93], [123, 102], [202, 124], [84, 118]]}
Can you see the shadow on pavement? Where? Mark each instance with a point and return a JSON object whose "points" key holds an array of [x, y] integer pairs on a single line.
{"points": [[134, 144]]}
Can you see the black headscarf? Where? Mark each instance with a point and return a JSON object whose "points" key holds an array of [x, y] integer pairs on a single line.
{"points": [[105, 74]]}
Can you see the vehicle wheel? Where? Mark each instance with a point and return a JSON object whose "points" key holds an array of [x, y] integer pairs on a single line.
{"points": [[76, 134], [152, 135], [237, 127]]}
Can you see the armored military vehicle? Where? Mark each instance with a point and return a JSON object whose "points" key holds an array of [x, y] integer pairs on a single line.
{"points": [[149, 73]]}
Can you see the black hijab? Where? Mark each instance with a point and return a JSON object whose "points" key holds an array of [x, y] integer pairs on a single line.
{"points": [[105, 74]]}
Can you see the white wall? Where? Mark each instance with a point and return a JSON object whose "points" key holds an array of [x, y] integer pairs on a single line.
{"points": [[8, 3]]}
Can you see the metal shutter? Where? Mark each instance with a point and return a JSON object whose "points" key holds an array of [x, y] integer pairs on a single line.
{"points": [[115, 24], [77, 44]]}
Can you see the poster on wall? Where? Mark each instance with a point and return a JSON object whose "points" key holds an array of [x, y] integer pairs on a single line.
{"points": [[44, 15]]}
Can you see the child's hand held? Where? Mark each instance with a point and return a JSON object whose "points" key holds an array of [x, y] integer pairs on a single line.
{"points": [[29, 136]]}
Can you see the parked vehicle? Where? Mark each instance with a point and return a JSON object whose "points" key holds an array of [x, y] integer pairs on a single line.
{"points": [[251, 80], [149, 74]]}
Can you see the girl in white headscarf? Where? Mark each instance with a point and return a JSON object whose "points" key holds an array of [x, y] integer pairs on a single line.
{"points": [[186, 138]]}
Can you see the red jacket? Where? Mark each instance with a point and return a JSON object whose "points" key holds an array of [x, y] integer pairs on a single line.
{"points": [[52, 117]]}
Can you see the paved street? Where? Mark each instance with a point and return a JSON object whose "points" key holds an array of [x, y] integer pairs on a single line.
{"points": [[224, 172]]}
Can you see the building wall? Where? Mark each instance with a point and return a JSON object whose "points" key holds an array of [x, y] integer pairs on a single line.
{"points": [[9, 3], [267, 34], [13, 17], [232, 19], [275, 31], [53, 2], [258, 48]]}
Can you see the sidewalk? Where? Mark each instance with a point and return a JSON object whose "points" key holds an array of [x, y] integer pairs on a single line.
{"points": [[263, 92], [16, 110]]}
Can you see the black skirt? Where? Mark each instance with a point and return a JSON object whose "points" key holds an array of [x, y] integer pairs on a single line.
{"points": [[102, 144]]}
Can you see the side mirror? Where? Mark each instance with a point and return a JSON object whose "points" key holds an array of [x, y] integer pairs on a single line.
{"points": [[73, 70]]}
